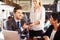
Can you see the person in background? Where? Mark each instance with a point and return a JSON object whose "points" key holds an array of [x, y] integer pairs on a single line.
{"points": [[37, 17], [47, 23], [53, 32], [5, 22]]}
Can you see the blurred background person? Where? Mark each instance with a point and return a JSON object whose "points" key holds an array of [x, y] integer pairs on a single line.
{"points": [[47, 23], [37, 17], [5, 22]]}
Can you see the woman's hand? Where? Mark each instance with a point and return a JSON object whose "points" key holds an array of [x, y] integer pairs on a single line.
{"points": [[35, 23], [46, 37]]}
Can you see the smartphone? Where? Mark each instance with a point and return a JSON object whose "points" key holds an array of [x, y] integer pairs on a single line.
{"points": [[28, 23]]}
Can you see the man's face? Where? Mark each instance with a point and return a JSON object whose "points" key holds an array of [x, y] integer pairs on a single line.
{"points": [[18, 14]]}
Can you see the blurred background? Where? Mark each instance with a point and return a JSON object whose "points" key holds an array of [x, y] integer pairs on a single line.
{"points": [[8, 6]]}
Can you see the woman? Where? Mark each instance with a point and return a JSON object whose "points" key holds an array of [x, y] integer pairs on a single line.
{"points": [[37, 17], [53, 32]]}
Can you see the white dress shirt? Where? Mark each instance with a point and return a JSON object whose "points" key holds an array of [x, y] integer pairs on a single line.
{"points": [[21, 28], [38, 15], [52, 35]]}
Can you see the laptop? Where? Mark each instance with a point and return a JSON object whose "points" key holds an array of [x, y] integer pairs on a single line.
{"points": [[10, 35]]}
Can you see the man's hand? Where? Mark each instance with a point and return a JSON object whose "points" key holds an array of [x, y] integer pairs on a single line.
{"points": [[25, 26]]}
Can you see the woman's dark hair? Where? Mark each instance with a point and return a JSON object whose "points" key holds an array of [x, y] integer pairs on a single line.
{"points": [[56, 16]]}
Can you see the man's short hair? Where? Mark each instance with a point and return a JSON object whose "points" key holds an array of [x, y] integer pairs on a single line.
{"points": [[16, 8]]}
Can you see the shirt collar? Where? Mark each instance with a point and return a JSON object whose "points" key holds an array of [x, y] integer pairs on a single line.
{"points": [[17, 20]]}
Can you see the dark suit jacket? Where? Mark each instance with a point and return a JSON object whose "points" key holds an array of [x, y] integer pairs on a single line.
{"points": [[11, 25], [49, 31]]}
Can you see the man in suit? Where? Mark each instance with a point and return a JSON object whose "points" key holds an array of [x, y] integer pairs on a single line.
{"points": [[17, 22], [53, 32]]}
